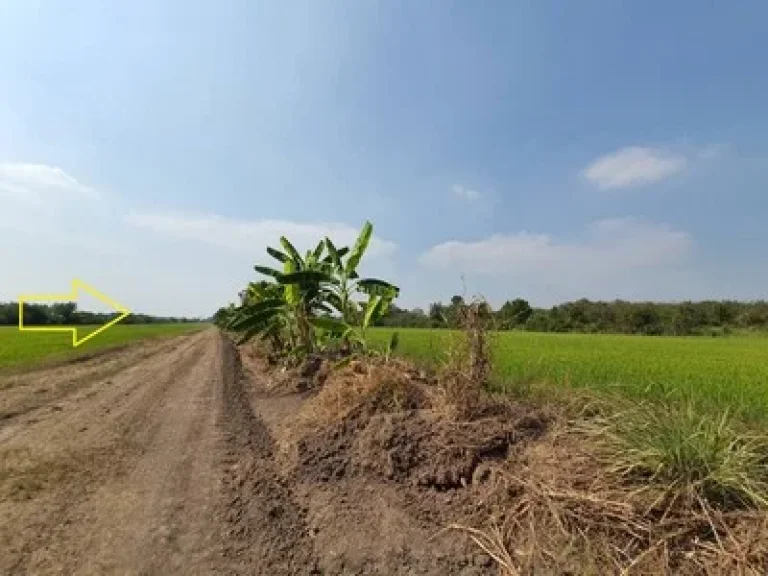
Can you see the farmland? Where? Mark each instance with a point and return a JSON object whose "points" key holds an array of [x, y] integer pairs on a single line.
{"points": [[27, 348], [285, 442], [710, 372]]}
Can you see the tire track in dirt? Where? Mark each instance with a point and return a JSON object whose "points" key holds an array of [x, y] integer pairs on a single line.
{"points": [[165, 498], [70, 482], [29, 396], [266, 530]]}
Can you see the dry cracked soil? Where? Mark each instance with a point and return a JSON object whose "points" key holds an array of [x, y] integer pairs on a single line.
{"points": [[161, 458]]}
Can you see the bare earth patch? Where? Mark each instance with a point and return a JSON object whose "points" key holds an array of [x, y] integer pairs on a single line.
{"points": [[382, 471]]}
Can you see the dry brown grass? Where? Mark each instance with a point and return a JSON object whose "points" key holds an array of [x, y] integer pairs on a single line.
{"points": [[370, 384], [563, 512], [466, 371], [363, 387]]}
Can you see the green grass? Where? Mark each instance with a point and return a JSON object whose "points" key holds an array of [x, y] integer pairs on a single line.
{"points": [[689, 454], [708, 373], [28, 348]]}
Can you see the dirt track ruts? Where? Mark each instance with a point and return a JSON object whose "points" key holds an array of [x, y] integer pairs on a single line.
{"points": [[147, 460]]}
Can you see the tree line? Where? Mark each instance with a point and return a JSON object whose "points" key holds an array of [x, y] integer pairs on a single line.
{"points": [[67, 314], [708, 317]]}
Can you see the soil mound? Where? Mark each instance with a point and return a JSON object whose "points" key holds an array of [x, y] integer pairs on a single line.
{"points": [[388, 423], [417, 447], [425, 449]]}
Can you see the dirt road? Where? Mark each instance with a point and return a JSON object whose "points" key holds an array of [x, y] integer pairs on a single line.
{"points": [[147, 460], [169, 457]]}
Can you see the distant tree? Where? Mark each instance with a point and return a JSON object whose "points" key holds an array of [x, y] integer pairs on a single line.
{"points": [[688, 318], [453, 311], [397, 316], [9, 314], [726, 312], [63, 312], [756, 316], [514, 313], [538, 321], [645, 319], [36, 314], [437, 314]]}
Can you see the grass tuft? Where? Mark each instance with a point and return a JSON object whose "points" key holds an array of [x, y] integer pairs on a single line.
{"points": [[689, 454]]}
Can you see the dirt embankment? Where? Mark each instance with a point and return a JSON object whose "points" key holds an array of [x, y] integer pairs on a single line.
{"points": [[382, 470], [396, 472]]}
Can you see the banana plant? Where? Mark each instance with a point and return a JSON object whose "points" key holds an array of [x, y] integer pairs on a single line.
{"points": [[266, 317], [307, 293], [258, 291], [255, 317], [377, 306], [346, 280], [284, 307], [223, 315]]}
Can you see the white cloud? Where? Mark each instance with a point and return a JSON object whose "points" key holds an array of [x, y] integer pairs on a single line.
{"points": [[614, 257], [250, 235], [634, 166], [35, 183], [468, 194]]}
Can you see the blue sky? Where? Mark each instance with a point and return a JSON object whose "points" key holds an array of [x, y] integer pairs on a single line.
{"points": [[550, 150]]}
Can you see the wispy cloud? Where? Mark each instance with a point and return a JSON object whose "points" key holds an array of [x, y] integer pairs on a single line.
{"points": [[612, 257], [468, 194], [612, 244], [634, 166], [251, 235], [35, 183]]}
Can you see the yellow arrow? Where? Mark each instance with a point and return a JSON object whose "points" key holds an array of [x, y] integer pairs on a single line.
{"points": [[72, 296]]}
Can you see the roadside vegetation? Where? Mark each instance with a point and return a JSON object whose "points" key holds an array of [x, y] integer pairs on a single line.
{"points": [[649, 456], [21, 349]]}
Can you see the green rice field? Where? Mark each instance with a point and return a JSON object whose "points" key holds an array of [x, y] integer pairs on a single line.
{"points": [[26, 348], [713, 373]]}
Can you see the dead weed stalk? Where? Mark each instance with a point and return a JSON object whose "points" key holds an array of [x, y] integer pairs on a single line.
{"points": [[466, 371]]}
